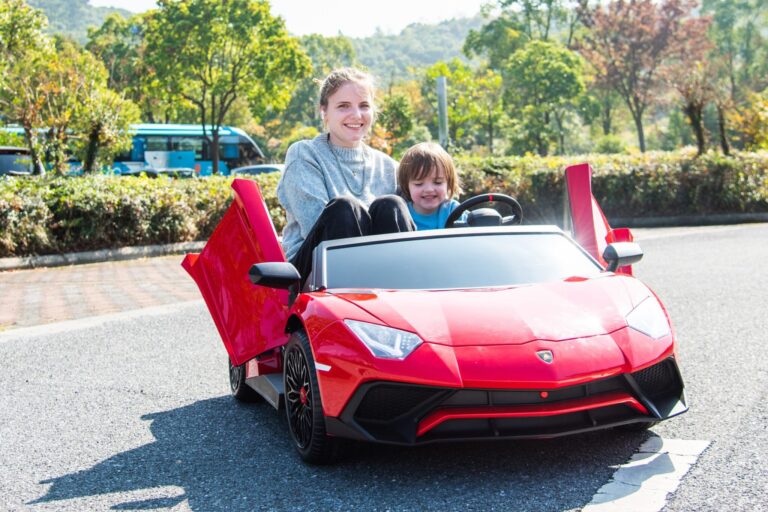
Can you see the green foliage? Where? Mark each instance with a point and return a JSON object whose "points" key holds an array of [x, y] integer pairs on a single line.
{"points": [[20, 30], [211, 52], [642, 185], [496, 40], [73, 18], [474, 102], [392, 57], [56, 214], [610, 144], [543, 78]]}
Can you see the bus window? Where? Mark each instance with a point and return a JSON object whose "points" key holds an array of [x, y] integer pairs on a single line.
{"points": [[156, 143], [195, 144]]}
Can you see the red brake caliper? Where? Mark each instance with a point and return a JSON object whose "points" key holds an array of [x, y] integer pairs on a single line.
{"points": [[303, 395]]}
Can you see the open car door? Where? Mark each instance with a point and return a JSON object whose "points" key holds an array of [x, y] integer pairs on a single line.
{"points": [[590, 227], [251, 319]]}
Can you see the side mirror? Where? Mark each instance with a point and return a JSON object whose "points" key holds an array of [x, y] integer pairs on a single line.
{"points": [[278, 274], [620, 254]]}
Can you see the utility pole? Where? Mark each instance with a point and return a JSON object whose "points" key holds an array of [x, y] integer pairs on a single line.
{"points": [[442, 111]]}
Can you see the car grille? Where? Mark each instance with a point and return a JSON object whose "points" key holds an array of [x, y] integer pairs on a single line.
{"points": [[391, 412]]}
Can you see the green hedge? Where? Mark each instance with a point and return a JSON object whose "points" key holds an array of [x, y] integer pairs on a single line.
{"points": [[644, 185], [56, 215]]}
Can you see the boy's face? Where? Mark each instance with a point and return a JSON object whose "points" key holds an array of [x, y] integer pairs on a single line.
{"points": [[428, 194]]}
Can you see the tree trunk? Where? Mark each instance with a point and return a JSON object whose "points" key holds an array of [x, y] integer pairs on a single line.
{"points": [[638, 118], [694, 113], [215, 150], [37, 163], [723, 131], [90, 150], [606, 114], [490, 132]]}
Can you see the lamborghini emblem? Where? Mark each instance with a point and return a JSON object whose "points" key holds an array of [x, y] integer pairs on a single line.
{"points": [[545, 355]]}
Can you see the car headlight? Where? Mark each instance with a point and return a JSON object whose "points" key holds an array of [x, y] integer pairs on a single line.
{"points": [[649, 319], [385, 341]]}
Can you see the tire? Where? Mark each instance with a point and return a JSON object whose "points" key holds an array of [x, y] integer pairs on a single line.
{"points": [[240, 390], [303, 405]]}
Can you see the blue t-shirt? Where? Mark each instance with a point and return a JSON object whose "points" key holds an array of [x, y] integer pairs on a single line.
{"points": [[436, 219]]}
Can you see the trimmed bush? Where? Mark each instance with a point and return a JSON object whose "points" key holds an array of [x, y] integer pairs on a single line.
{"points": [[54, 215], [644, 185], [42, 215]]}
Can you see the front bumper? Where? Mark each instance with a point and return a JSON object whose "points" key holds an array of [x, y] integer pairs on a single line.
{"points": [[390, 412]]}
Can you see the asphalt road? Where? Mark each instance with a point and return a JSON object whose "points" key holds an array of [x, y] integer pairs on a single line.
{"points": [[131, 412]]}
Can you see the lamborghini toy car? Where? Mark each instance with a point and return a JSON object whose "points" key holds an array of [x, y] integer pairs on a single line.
{"points": [[491, 329]]}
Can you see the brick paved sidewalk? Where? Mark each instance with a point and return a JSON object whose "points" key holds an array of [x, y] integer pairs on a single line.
{"points": [[45, 295]]}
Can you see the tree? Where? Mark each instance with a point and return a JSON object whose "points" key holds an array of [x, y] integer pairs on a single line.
{"points": [[629, 41], [519, 22], [20, 30], [62, 91], [21, 42], [740, 42], [211, 52], [543, 78], [496, 40], [692, 75], [105, 118], [396, 117]]}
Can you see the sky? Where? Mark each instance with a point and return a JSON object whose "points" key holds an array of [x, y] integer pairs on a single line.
{"points": [[353, 18]]}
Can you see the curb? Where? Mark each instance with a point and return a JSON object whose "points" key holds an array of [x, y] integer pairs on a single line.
{"points": [[688, 220], [76, 258]]}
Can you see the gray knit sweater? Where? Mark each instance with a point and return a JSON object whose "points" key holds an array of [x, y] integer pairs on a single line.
{"points": [[316, 172]]}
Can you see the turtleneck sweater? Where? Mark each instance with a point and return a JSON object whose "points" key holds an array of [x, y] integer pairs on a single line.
{"points": [[317, 171]]}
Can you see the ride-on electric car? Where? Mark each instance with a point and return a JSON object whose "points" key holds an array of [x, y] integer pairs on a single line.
{"points": [[487, 329]]}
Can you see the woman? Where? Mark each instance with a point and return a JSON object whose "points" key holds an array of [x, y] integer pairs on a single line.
{"points": [[335, 186]]}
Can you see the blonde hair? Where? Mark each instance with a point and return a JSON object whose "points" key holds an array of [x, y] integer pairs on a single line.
{"points": [[419, 162]]}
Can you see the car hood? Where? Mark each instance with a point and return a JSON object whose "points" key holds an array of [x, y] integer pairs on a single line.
{"points": [[573, 308]]}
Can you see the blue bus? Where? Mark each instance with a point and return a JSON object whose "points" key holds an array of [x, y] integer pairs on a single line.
{"points": [[183, 146], [180, 146]]}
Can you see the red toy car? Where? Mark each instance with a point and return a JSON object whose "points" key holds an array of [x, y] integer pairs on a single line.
{"points": [[494, 330]]}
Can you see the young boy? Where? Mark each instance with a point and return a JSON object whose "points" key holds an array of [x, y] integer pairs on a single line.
{"points": [[428, 181]]}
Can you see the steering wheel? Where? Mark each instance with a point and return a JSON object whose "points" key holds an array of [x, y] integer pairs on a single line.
{"points": [[486, 216]]}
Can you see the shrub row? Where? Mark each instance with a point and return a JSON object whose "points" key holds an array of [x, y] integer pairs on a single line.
{"points": [[56, 215], [644, 185]]}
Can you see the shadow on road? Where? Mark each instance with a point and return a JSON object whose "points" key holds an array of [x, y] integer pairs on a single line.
{"points": [[230, 456]]}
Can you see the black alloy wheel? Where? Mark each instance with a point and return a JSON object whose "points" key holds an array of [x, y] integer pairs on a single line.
{"points": [[240, 390], [303, 407]]}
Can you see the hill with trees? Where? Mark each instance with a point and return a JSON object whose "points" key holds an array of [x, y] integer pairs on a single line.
{"points": [[417, 46], [73, 17]]}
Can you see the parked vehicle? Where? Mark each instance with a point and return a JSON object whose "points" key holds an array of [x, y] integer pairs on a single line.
{"points": [[179, 146], [15, 161], [184, 146], [258, 169], [150, 172], [493, 330]]}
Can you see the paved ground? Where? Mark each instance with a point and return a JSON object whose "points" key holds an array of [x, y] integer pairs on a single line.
{"points": [[45, 295]]}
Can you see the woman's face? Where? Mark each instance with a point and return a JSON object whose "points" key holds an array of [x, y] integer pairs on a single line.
{"points": [[428, 194], [349, 114]]}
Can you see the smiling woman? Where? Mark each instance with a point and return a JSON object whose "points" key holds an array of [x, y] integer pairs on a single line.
{"points": [[335, 186]]}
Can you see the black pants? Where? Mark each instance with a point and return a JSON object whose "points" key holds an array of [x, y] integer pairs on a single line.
{"points": [[346, 217]]}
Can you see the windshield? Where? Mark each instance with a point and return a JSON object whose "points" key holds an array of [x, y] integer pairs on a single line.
{"points": [[466, 261], [15, 163]]}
